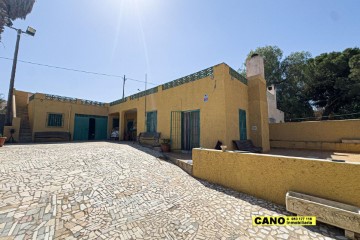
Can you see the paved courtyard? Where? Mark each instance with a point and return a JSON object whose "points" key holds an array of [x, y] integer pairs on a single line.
{"points": [[104, 190]]}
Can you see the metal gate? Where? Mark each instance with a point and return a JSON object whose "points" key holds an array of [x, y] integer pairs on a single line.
{"points": [[175, 130], [82, 127], [185, 130]]}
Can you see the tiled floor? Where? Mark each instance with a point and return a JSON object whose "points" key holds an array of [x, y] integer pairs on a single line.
{"points": [[104, 190], [348, 157]]}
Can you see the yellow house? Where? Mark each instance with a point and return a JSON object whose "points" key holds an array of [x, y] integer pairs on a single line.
{"points": [[197, 110]]}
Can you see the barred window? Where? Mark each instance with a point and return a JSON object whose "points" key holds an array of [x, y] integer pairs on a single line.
{"points": [[55, 120]]}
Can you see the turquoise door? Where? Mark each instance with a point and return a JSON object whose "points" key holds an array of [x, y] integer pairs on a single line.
{"points": [[82, 130], [242, 124], [101, 128]]}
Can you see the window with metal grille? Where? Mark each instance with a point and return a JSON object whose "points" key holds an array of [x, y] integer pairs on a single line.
{"points": [[55, 120], [151, 121]]}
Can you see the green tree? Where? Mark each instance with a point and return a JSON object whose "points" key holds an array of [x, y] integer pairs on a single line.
{"points": [[292, 89], [272, 62], [335, 82], [13, 9], [289, 76]]}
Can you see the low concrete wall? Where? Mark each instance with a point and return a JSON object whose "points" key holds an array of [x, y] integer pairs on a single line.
{"points": [[15, 125], [323, 146], [321, 135], [270, 177], [315, 131]]}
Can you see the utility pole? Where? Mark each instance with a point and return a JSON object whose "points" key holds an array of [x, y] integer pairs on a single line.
{"points": [[9, 109], [124, 87]]}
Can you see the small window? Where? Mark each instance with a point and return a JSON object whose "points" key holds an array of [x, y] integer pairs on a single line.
{"points": [[151, 121], [55, 120]]}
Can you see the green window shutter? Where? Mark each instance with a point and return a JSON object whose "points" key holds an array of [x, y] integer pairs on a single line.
{"points": [[151, 121], [242, 124], [148, 120], [55, 120]]}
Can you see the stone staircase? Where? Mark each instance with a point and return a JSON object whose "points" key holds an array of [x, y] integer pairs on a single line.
{"points": [[25, 135]]}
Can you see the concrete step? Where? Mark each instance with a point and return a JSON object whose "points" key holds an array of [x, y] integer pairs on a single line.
{"points": [[26, 138], [25, 134]]}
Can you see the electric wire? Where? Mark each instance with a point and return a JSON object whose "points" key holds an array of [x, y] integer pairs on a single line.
{"points": [[77, 70]]}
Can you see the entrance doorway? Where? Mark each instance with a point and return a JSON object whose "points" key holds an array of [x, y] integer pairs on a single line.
{"points": [[185, 130], [190, 130], [90, 127], [129, 126]]}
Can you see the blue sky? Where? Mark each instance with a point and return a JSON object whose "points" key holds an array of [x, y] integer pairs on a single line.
{"points": [[166, 39]]}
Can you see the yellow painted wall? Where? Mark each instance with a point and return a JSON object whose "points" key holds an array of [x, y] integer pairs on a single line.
{"points": [[316, 131], [22, 98], [269, 177], [323, 146], [258, 112], [16, 126], [236, 98], [186, 97], [39, 107], [219, 116]]}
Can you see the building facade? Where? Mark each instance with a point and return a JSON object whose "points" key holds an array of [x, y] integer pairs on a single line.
{"points": [[215, 104]]}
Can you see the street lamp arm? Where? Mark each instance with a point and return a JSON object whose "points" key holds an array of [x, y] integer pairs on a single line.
{"points": [[9, 110], [29, 31]]}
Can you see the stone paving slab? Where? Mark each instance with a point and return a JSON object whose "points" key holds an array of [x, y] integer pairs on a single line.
{"points": [[102, 190]]}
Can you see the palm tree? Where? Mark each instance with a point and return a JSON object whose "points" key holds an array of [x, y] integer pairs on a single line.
{"points": [[13, 9]]}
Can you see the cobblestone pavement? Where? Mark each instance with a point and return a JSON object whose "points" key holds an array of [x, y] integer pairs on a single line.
{"points": [[106, 190]]}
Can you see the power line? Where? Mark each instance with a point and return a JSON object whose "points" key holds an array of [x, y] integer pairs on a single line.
{"points": [[76, 70]]}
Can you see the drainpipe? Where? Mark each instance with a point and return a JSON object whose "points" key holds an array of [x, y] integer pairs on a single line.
{"points": [[69, 118]]}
